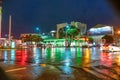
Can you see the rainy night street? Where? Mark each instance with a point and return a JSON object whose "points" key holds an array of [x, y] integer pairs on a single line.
{"points": [[59, 40], [60, 64]]}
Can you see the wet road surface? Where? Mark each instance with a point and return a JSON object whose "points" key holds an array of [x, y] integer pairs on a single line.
{"points": [[61, 64]]}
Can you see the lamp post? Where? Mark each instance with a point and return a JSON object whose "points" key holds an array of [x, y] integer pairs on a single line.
{"points": [[9, 37]]}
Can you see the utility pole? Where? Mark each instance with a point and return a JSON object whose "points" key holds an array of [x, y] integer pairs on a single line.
{"points": [[9, 37]]}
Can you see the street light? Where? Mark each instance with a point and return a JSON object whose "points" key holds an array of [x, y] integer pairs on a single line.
{"points": [[118, 32], [37, 29]]}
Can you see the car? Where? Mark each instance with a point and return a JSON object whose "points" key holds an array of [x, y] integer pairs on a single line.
{"points": [[110, 48], [114, 48]]}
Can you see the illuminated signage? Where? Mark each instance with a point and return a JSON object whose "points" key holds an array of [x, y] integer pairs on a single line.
{"points": [[101, 31]]}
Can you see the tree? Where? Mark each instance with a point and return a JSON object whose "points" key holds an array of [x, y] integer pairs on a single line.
{"points": [[73, 31], [107, 39], [36, 38], [32, 38], [91, 40], [69, 31]]}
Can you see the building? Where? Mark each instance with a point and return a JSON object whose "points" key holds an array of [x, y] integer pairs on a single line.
{"points": [[59, 26], [78, 25], [53, 33], [98, 31], [26, 34], [117, 36], [81, 26]]}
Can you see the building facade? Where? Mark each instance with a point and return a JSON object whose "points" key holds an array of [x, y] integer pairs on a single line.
{"points": [[98, 31], [79, 25], [117, 36], [59, 26]]}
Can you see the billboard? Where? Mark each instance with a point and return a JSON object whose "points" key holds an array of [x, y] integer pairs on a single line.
{"points": [[100, 31]]}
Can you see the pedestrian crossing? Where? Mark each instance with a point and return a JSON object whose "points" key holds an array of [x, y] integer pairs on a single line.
{"points": [[96, 72], [102, 72]]}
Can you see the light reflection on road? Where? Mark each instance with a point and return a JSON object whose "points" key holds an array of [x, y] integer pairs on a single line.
{"points": [[67, 56], [106, 59], [60, 58]]}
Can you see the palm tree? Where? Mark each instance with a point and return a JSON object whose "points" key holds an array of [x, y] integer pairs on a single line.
{"points": [[72, 31], [69, 32]]}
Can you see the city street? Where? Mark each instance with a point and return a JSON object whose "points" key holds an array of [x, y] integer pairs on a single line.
{"points": [[59, 40], [60, 64]]}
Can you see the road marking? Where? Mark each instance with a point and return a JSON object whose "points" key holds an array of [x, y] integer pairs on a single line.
{"points": [[68, 60], [15, 69]]}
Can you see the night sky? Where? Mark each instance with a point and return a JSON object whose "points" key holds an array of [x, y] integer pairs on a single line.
{"points": [[45, 14]]}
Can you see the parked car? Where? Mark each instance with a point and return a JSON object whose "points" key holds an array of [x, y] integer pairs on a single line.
{"points": [[110, 48]]}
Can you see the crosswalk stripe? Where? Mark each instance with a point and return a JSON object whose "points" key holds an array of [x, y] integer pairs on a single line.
{"points": [[11, 70]]}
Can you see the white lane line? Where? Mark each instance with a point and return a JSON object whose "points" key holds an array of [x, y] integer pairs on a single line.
{"points": [[15, 69]]}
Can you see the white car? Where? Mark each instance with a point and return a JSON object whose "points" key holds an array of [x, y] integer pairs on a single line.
{"points": [[114, 48], [110, 48]]}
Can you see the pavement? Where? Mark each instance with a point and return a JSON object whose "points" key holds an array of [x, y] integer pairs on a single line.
{"points": [[61, 72], [98, 66]]}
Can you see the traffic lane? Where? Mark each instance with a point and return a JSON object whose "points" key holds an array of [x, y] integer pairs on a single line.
{"points": [[33, 72], [45, 72], [17, 72]]}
